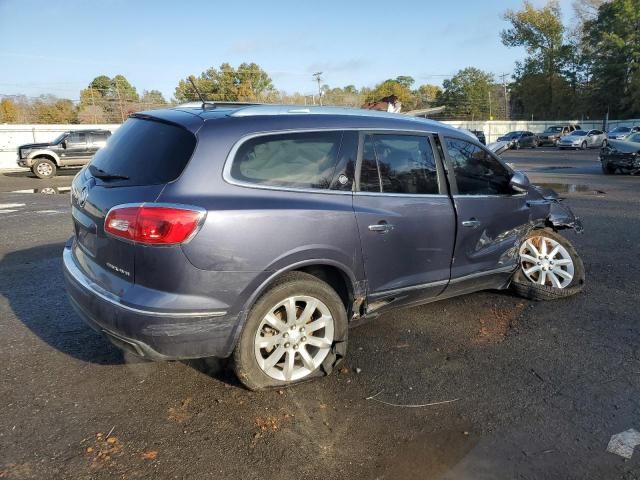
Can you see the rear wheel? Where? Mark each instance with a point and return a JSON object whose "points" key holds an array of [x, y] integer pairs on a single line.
{"points": [[296, 331], [550, 267], [604, 144], [44, 168], [583, 146]]}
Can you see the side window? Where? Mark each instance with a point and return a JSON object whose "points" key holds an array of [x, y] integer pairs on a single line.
{"points": [[398, 164], [299, 160], [477, 172], [99, 138], [77, 137], [344, 173]]}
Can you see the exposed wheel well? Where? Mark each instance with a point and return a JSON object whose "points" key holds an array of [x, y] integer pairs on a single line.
{"points": [[47, 157], [334, 277]]}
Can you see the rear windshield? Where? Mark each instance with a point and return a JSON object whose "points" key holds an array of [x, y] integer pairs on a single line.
{"points": [[147, 152], [554, 129]]}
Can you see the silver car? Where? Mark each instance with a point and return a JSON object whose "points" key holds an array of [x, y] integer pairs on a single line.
{"points": [[584, 139]]}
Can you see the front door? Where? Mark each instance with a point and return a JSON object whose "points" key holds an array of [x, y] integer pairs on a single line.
{"points": [[405, 219], [492, 218], [75, 148]]}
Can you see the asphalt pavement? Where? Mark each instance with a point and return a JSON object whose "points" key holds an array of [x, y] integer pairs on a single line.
{"points": [[486, 386]]}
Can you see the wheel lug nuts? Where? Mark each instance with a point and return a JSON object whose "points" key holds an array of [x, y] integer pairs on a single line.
{"points": [[303, 339], [546, 258], [295, 347], [544, 269], [285, 335], [539, 263], [301, 329], [287, 345]]}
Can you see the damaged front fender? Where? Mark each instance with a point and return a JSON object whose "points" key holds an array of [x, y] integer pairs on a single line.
{"points": [[553, 213]]}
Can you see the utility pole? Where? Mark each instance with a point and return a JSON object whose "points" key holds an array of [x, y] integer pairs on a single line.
{"points": [[318, 79], [506, 102], [490, 115]]}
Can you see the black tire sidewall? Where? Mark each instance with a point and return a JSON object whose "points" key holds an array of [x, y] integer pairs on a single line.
{"points": [[295, 283]]}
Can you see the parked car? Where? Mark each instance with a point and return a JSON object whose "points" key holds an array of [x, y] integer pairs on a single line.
{"points": [[621, 156], [583, 139], [480, 136], [264, 232], [520, 139], [552, 134], [69, 149], [621, 133]]}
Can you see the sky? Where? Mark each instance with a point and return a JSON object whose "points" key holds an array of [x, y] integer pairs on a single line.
{"points": [[58, 47]]}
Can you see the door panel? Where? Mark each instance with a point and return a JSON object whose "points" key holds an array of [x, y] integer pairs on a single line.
{"points": [[492, 219], [76, 148], [406, 224]]}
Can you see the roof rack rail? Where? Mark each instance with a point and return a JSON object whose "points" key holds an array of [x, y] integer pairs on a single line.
{"points": [[212, 104], [279, 109]]}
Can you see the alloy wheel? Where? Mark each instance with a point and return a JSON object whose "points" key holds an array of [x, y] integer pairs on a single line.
{"points": [[294, 338], [546, 262]]}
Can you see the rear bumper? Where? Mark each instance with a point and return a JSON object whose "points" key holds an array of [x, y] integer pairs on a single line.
{"points": [[143, 330]]}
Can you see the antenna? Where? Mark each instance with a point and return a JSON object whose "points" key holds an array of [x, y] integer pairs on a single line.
{"points": [[204, 102]]}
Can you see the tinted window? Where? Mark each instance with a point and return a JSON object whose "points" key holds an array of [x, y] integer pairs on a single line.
{"points": [[398, 164], [99, 137], [579, 133], [77, 137], [146, 151], [476, 171], [301, 160]]}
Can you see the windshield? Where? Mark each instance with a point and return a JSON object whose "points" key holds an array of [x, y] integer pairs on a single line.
{"points": [[553, 130], [621, 130], [578, 133], [59, 138]]}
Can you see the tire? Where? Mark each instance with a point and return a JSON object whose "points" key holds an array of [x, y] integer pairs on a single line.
{"points": [[534, 145], [583, 146], [326, 352], [516, 146], [524, 286], [556, 142], [44, 168], [607, 169], [604, 144]]}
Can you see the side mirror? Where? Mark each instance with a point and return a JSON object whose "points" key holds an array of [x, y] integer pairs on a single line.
{"points": [[64, 144], [519, 182]]}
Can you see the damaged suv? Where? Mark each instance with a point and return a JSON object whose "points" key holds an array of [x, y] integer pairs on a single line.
{"points": [[262, 232]]}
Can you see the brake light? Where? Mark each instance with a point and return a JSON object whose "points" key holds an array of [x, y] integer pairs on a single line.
{"points": [[153, 224]]}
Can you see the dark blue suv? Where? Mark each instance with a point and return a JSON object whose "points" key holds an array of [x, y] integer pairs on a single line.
{"points": [[263, 232]]}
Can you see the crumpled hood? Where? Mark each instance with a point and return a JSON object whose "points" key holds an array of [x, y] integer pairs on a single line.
{"points": [[624, 147]]}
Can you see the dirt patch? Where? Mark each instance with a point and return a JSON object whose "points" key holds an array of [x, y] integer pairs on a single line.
{"points": [[181, 413], [497, 322], [103, 451]]}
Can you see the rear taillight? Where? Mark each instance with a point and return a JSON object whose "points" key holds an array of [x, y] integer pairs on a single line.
{"points": [[153, 224]]}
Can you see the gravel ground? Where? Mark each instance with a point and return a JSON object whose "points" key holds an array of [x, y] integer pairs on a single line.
{"points": [[534, 390]]}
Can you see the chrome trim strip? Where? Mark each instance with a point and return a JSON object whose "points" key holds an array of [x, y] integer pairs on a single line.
{"points": [[471, 276], [411, 288], [81, 278]]}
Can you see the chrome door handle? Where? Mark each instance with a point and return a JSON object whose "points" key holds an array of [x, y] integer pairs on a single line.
{"points": [[381, 227], [473, 223]]}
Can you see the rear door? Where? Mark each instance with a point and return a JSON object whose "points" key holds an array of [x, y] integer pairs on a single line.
{"points": [[405, 218], [491, 217], [143, 156]]}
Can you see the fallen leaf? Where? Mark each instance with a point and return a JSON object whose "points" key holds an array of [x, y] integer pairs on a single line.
{"points": [[89, 449], [344, 370], [150, 455]]}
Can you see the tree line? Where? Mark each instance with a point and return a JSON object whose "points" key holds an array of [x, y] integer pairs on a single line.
{"points": [[587, 68]]}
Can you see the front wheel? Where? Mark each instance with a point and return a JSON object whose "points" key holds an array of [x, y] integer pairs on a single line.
{"points": [[550, 267], [607, 169], [296, 331], [44, 168], [604, 144], [583, 146]]}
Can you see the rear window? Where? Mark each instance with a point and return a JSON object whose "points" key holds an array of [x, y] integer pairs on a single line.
{"points": [[299, 160], [146, 151]]}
